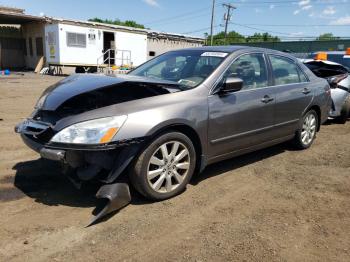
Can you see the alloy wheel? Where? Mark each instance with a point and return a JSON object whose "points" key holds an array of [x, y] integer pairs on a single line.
{"points": [[309, 129], [168, 167]]}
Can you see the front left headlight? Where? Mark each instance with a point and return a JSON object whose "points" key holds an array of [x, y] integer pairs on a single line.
{"points": [[97, 131]]}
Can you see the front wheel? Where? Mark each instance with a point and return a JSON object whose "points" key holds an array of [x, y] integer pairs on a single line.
{"points": [[165, 166], [306, 134]]}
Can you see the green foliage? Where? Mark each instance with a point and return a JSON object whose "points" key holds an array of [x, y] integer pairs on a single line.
{"points": [[10, 31], [129, 23], [234, 38], [264, 37], [326, 36]]}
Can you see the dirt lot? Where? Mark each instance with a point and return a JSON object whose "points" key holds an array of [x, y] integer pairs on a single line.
{"points": [[273, 205]]}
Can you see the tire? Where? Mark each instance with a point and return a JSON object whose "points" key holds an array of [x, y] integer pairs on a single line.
{"points": [[158, 177], [306, 133], [344, 112]]}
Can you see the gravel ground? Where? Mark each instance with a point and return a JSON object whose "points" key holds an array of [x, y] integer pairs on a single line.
{"points": [[276, 204]]}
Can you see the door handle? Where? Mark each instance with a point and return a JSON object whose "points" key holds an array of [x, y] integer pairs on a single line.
{"points": [[266, 99], [306, 91]]}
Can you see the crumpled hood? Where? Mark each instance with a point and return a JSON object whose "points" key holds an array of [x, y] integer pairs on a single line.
{"points": [[83, 92]]}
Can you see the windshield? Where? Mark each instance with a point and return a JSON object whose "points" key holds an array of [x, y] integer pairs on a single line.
{"points": [[188, 68]]}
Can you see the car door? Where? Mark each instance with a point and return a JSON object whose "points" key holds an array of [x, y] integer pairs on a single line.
{"points": [[293, 94], [244, 118]]}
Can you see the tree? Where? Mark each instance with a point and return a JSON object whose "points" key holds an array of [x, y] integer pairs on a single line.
{"points": [[234, 38], [129, 23], [265, 37], [326, 36]]}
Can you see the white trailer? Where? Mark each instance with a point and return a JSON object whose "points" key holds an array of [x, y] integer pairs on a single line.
{"points": [[87, 45]]}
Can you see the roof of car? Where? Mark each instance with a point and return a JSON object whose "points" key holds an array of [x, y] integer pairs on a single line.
{"points": [[227, 49]]}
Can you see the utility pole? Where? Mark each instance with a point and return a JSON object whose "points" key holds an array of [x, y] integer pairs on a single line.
{"points": [[212, 23], [227, 16]]}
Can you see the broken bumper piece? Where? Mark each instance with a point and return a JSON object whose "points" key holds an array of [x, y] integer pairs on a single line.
{"points": [[117, 196], [52, 154], [104, 163]]}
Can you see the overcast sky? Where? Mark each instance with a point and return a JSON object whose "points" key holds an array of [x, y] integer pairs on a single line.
{"points": [[285, 18]]}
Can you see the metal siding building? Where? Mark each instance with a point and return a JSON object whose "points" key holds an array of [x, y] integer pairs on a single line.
{"points": [[82, 43]]}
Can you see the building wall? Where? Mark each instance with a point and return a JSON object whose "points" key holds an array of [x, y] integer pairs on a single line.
{"points": [[61, 53], [136, 43], [31, 32], [11, 47], [161, 45], [11, 53], [75, 54]]}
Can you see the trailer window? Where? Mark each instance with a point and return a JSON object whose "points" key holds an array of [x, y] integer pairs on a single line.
{"points": [[76, 39]]}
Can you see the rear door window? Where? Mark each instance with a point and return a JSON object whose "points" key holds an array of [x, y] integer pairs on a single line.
{"points": [[284, 70]]}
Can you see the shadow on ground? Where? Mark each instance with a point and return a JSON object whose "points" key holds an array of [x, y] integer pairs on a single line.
{"points": [[237, 162], [43, 181]]}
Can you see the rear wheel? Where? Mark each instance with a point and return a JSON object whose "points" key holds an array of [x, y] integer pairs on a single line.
{"points": [[165, 167], [344, 112], [307, 132]]}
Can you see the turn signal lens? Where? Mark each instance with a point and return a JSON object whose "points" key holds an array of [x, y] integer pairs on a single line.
{"points": [[109, 135]]}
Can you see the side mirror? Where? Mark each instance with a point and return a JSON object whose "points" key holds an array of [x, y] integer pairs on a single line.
{"points": [[232, 84]]}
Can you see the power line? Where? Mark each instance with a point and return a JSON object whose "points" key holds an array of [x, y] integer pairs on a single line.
{"points": [[260, 29], [176, 18], [181, 15], [205, 9], [200, 30]]}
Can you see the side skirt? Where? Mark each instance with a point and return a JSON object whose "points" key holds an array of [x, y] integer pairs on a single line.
{"points": [[249, 149]]}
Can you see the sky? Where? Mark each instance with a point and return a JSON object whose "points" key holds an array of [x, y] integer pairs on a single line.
{"points": [[288, 19]]}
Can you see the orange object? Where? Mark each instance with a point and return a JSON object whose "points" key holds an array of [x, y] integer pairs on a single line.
{"points": [[321, 56], [347, 52], [109, 135]]}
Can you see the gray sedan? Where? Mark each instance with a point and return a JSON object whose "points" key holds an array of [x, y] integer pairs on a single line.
{"points": [[173, 116]]}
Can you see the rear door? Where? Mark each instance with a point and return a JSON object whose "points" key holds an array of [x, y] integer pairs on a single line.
{"points": [[293, 94], [242, 119]]}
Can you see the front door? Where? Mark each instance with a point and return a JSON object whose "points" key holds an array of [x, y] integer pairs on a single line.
{"points": [[109, 44], [242, 119]]}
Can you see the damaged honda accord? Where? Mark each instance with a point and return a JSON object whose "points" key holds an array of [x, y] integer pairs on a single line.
{"points": [[174, 115]]}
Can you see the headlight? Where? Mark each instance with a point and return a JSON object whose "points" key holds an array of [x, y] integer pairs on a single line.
{"points": [[39, 104], [97, 131]]}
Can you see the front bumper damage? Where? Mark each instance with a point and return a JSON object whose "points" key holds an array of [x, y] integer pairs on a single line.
{"points": [[101, 163]]}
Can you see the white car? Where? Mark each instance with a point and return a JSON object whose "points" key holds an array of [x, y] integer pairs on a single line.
{"points": [[339, 80]]}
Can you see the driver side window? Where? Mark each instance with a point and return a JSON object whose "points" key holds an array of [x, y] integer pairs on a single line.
{"points": [[251, 68]]}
